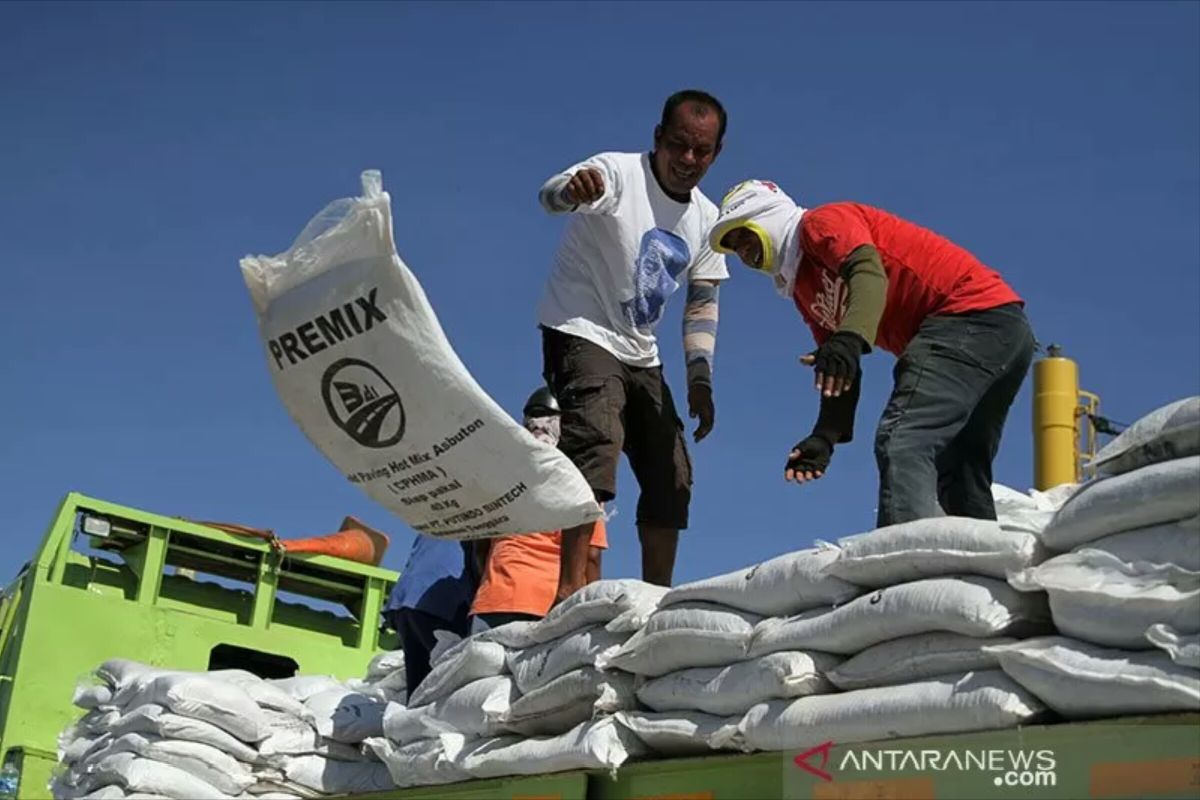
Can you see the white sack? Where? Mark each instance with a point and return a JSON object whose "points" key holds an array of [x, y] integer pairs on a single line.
{"points": [[601, 602], [685, 635], [302, 742], [1164, 434], [92, 696], [1098, 598], [915, 658], [216, 768], [199, 696], [733, 689], [1080, 680], [360, 361], [468, 662], [265, 694], [1172, 543], [678, 733], [1032, 512], [1183, 649], [783, 585], [426, 762], [345, 716], [137, 774], [538, 665], [154, 720], [385, 664], [444, 641], [593, 745], [338, 777], [302, 687], [569, 700], [1148, 496], [972, 606], [472, 711], [931, 548], [975, 701]]}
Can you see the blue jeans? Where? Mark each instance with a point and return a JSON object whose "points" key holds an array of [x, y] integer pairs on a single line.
{"points": [[940, 432], [483, 622]]}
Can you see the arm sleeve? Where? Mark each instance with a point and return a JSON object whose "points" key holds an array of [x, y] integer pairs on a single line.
{"points": [[700, 330], [550, 195], [866, 296], [835, 421]]}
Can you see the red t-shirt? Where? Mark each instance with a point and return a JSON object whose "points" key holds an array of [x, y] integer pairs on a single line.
{"points": [[927, 273]]}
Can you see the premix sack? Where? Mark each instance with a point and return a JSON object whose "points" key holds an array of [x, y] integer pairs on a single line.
{"points": [[631, 601], [784, 585], [592, 745], [1183, 649], [362, 365], [678, 733], [1098, 598], [469, 661], [568, 700], [1175, 544], [685, 635], [338, 777], [538, 665], [1080, 680], [472, 711], [1148, 496], [1167, 433], [930, 548], [975, 701], [972, 606], [733, 689], [915, 658], [425, 762]]}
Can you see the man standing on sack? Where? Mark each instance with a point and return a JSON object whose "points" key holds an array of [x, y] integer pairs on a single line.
{"points": [[637, 231], [862, 277]]}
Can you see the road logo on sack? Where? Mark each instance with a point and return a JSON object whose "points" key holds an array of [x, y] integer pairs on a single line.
{"points": [[1015, 769], [363, 403]]}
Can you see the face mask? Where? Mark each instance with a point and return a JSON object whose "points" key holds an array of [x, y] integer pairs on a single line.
{"points": [[765, 210], [545, 429]]}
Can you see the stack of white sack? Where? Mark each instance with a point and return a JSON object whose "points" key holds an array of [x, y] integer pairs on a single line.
{"points": [[470, 717], [221, 734], [906, 642], [693, 660], [1125, 592]]}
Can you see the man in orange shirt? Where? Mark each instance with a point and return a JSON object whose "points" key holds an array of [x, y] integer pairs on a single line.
{"points": [[520, 573]]}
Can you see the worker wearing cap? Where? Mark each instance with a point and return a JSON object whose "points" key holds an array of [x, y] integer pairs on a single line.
{"points": [[520, 573], [864, 278]]}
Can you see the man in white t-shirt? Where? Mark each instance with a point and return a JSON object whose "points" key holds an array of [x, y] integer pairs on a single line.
{"points": [[638, 233]]}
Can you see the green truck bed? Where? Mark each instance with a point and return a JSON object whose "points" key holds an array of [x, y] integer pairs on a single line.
{"points": [[1142, 757]]}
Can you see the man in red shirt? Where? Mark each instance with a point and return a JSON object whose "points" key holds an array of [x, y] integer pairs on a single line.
{"points": [[861, 277]]}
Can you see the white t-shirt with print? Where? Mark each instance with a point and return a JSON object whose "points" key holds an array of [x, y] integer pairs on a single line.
{"points": [[622, 256]]}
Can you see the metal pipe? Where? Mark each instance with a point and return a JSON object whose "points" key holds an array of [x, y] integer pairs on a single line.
{"points": [[1055, 421]]}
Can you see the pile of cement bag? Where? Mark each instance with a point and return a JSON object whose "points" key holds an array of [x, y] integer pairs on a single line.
{"points": [[1124, 590], [524, 698], [881, 635], [149, 732]]}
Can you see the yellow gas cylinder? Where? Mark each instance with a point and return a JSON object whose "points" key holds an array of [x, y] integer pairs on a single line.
{"points": [[1055, 420]]}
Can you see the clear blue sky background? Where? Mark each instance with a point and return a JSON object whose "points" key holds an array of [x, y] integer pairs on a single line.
{"points": [[145, 148]]}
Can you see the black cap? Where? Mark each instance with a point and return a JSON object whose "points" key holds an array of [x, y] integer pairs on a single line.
{"points": [[541, 403]]}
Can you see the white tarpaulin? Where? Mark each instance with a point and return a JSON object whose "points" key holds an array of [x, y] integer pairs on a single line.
{"points": [[362, 365]]}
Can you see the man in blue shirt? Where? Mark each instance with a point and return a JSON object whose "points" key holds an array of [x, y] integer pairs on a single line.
{"points": [[434, 593]]}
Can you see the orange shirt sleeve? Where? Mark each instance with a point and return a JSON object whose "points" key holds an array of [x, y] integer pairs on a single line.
{"points": [[600, 535]]}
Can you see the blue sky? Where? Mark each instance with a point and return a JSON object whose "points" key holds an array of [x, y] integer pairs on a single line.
{"points": [[145, 148]]}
